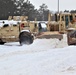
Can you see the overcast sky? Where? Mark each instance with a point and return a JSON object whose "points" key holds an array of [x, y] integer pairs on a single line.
{"points": [[52, 4]]}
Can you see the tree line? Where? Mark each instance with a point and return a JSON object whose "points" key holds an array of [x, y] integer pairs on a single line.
{"points": [[22, 8]]}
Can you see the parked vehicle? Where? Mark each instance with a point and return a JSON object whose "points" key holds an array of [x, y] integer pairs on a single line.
{"points": [[14, 31]]}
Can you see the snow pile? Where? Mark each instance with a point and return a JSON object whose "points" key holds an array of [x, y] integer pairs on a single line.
{"points": [[43, 57]]}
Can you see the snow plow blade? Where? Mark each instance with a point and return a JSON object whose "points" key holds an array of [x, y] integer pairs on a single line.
{"points": [[25, 38]]}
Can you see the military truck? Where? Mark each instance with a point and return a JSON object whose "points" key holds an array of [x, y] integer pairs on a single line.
{"points": [[18, 30], [64, 23]]}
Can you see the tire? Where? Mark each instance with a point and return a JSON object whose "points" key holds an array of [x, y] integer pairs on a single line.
{"points": [[25, 38], [1, 42]]}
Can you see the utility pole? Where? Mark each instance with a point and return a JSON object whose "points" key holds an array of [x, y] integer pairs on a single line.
{"points": [[58, 6]]}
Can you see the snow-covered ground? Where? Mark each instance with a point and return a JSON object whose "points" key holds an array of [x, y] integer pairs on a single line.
{"points": [[43, 57]]}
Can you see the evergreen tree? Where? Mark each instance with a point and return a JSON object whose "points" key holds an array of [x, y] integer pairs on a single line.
{"points": [[43, 10], [7, 7]]}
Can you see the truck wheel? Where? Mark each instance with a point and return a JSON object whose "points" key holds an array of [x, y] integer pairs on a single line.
{"points": [[1, 42], [25, 38]]}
